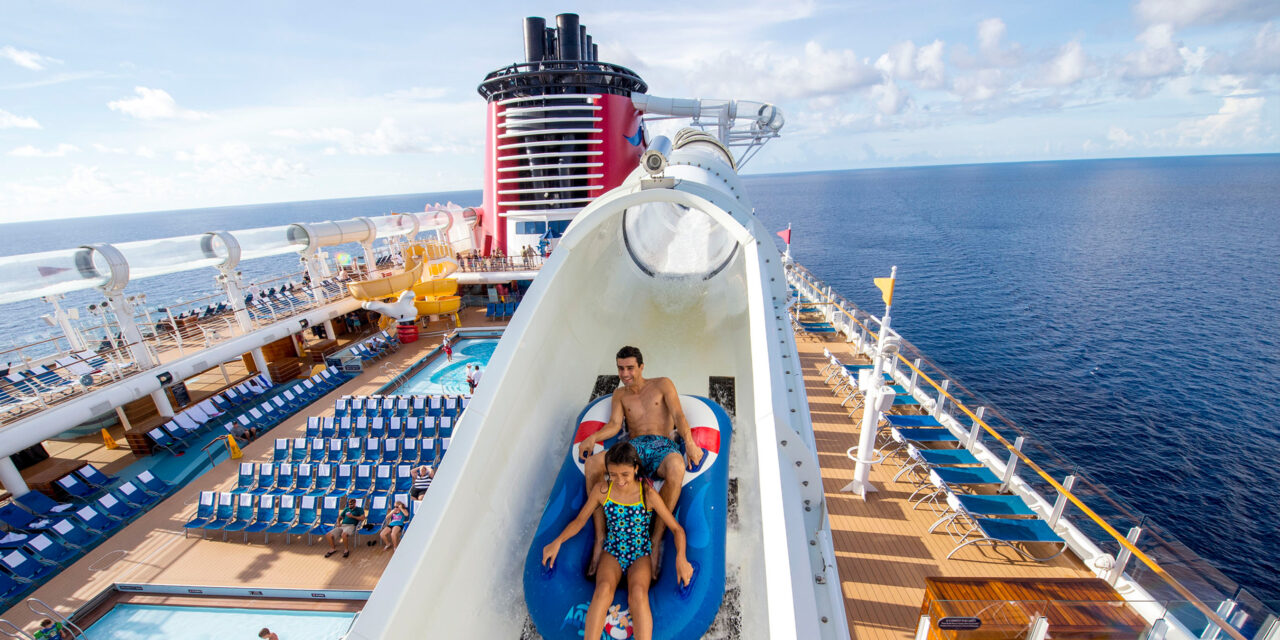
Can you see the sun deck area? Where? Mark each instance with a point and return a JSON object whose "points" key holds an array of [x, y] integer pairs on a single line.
{"points": [[155, 549], [883, 546]]}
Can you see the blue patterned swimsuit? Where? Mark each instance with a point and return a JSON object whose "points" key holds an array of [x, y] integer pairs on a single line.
{"points": [[627, 529]]}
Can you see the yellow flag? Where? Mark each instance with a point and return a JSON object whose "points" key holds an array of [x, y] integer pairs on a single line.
{"points": [[235, 449], [886, 289], [108, 441]]}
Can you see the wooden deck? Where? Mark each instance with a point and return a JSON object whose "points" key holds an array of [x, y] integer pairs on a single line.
{"points": [[154, 550], [883, 548]]}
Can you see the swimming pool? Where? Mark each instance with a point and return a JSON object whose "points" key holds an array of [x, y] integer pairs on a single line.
{"points": [[442, 377], [145, 621]]}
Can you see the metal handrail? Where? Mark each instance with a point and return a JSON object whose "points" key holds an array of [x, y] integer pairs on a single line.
{"points": [[51, 613], [1177, 586], [16, 633]]}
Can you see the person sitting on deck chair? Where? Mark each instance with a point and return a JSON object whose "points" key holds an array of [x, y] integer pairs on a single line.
{"points": [[652, 410], [348, 520]]}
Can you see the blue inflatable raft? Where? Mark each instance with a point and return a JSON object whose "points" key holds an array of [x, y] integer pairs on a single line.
{"points": [[558, 598]]}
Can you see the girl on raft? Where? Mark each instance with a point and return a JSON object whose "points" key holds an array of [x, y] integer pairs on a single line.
{"points": [[629, 503]]}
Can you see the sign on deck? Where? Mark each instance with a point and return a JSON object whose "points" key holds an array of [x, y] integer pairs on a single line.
{"points": [[956, 623]]}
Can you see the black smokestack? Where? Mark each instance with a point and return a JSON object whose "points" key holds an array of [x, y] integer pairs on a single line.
{"points": [[567, 32], [551, 50], [588, 50], [534, 39]]}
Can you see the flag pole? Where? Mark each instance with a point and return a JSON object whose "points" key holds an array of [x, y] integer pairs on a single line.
{"points": [[788, 253], [872, 396]]}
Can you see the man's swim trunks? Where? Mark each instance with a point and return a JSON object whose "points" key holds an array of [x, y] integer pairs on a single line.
{"points": [[653, 450]]}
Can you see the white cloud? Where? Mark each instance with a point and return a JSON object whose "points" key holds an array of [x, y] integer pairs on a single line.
{"points": [[11, 121], [991, 34], [1159, 55], [921, 65], [1238, 122], [26, 59], [1184, 13], [419, 93], [1260, 56], [29, 151], [229, 162], [1068, 67], [981, 86], [1118, 137], [889, 98], [389, 137], [153, 104], [764, 74]]}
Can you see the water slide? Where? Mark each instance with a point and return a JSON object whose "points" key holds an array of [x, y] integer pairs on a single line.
{"points": [[673, 262], [426, 273]]}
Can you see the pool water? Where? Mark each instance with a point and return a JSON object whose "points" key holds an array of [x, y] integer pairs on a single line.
{"points": [[450, 378], [143, 621]]}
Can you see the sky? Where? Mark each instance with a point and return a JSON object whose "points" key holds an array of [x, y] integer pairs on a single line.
{"points": [[118, 106]]}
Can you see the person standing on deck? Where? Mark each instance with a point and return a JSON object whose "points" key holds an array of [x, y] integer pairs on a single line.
{"points": [[471, 380], [652, 410], [475, 379]]}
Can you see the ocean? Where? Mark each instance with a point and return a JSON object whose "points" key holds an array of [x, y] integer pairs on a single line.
{"points": [[1124, 313]]}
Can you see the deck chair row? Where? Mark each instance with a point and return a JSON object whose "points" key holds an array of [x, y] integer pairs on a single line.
{"points": [[49, 537], [177, 434], [356, 450], [37, 384], [420, 406], [500, 310], [970, 500], [379, 345], [287, 478], [411, 427], [311, 516]]}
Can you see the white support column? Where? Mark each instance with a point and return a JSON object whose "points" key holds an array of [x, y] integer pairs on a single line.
{"points": [[1012, 464], [976, 430], [129, 330], [230, 280], [11, 478], [1122, 558], [370, 261], [328, 329], [260, 361], [162, 403], [124, 419], [1061, 503], [1039, 628]]}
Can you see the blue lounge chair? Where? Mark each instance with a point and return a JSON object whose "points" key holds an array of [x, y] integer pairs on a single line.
{"points": [[286, 515], [364, 479], [94, 521], [306, 519], [997, 532], [263, 518], [41, 505], [965, 507], [204, 512], [342, 480], [133, 494], [305, 482], [74, 536], [224, 512], [404, 478], [284, 478], [942, 479], [409, 452], [24, 568], [17, 401], [281, 451], [162, 439], [77, 488], [243, 515], [313, 427], [383, 478], [919, 461], [9, 588], [413, 427], [266, 479], [153, 485], [378, 508], [246, 479], [116, 508], [445, 430], [390, 451], [45, 549], [327, 518], [17, 519], [94, 477]]}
